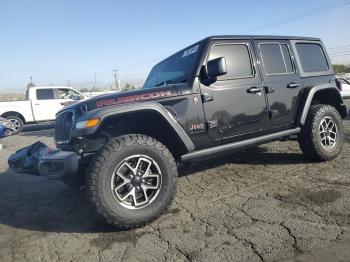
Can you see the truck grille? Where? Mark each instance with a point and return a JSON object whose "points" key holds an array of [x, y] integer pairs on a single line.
{"points": [[63, 125]]}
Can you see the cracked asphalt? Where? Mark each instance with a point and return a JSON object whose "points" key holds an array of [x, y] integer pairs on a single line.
{"points": [[264, 204]]}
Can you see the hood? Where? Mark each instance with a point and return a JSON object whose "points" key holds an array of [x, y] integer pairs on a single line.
{"points": [[120, 98]]}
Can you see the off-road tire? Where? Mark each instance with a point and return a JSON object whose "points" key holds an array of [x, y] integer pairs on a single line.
{"points": [[310, 138], [20, 123], [98, 180]]}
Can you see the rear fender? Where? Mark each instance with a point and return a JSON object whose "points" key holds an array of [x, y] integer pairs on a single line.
{"points": [[326, 93]]}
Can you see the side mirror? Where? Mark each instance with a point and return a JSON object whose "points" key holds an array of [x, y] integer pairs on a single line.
{"points": [[338, 84], [217, 67]]}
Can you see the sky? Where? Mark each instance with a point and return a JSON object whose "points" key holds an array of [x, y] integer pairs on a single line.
{"points": [[59, 40]]}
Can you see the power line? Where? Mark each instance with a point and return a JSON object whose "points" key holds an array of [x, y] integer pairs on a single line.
{"points": [[311, 12], [339, 47], [338, 55], [333, 51]]}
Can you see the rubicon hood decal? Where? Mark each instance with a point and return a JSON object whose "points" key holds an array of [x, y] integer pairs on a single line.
{"points": [[132, 98]]}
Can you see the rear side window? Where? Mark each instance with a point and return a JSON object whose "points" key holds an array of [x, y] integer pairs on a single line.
{"points": [[238, 61], [312, 57], [45, 94], [276, 59]]}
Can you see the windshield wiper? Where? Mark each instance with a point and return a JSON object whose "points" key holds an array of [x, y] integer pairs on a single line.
{"points": [[171, 81], [164, 83]]}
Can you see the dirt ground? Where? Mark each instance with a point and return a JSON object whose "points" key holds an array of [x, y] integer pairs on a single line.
{"points": [[265, 204]]}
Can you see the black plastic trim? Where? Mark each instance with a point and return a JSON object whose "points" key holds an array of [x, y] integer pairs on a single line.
{"points": [[310, 96], [106, 112], [238, 145], [59, 165]]}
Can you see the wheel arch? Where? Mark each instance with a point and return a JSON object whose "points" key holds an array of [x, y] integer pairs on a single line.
{"points": [[13, 113], [151, 119], [323, 94]]}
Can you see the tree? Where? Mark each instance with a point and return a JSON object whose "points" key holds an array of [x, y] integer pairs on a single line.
{"points": [[93, 89], [128, 87], [84, 89], [341, 69]]}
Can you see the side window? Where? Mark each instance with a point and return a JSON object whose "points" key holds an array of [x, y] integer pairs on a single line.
{"points": [[64, 93], [312, 57], [238, 61], [276, 59], [45, 94]]}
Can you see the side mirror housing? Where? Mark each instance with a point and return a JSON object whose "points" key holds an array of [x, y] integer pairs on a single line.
{"points": [[217, 67]]}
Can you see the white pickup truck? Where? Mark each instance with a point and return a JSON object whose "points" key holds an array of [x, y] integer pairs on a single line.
{"points": [[41, 105]]}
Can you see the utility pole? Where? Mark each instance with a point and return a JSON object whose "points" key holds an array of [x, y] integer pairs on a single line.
{"points": [[95, 81], [31, 80], [68, 82], [116, 80]]}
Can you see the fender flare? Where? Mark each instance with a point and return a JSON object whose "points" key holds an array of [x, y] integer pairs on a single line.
{"points": [[310, 95], [112, 111], [13, 113]]}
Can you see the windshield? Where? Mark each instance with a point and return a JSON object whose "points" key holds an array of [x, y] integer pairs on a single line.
{"points": [[175, 69]]}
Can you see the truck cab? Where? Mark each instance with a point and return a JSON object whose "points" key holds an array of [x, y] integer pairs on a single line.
{"points": [[48, 100], [41, 104]]}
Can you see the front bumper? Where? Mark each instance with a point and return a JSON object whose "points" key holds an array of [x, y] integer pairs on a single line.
{"points": [[59, 165]]}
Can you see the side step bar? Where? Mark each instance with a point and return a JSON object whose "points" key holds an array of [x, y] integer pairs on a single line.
{"points": [[238, 145]]}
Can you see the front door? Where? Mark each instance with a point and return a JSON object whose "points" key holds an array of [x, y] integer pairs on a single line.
{"points": [[281, 79], [234, 104]]}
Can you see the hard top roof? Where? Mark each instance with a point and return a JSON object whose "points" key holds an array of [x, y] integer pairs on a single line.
{"points": [[265, 37]]}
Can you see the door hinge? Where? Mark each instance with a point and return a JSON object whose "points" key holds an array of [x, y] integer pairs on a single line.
{"points": [[212, 124], [273, 113]]}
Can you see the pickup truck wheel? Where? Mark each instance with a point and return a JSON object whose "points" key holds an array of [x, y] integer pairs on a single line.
{"points": [[322, 136], [132, 180], [17, 125]]}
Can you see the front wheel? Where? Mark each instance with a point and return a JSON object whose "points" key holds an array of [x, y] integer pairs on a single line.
{"points": [[322, 136], [16, 125], [132, 180]]}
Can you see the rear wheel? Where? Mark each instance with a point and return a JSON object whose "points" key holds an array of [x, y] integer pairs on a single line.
{"points": [[16, 125], [132, 180], [322, 136]]}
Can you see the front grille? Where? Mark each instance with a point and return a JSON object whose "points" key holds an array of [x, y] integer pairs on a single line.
{"points": [[63, 125]]}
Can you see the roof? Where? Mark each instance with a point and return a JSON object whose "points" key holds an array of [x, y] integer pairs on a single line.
{"points": [[219, 37], [47, 87]]}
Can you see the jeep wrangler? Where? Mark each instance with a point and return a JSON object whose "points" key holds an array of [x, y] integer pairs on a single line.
{"points": [[217, 96]]}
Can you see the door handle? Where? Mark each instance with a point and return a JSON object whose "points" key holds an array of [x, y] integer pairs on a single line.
{"points": [[254, 90], [292, 85], [37, 104], [207, 97]]}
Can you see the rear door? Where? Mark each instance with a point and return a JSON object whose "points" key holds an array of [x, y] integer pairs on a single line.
{"points": [[45, 106], [234, 105], [281, 80]]}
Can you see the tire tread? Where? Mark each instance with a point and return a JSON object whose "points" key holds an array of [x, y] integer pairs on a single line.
{"points": [[113, 146]]}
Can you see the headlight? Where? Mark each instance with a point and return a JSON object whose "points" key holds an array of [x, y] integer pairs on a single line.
{"points": [[88, 123]]}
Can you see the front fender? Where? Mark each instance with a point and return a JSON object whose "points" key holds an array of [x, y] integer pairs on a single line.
{"points": [[112, 111]]}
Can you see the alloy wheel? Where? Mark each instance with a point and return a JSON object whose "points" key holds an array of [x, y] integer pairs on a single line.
{"points": [[136, 181], [328, 132]]}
